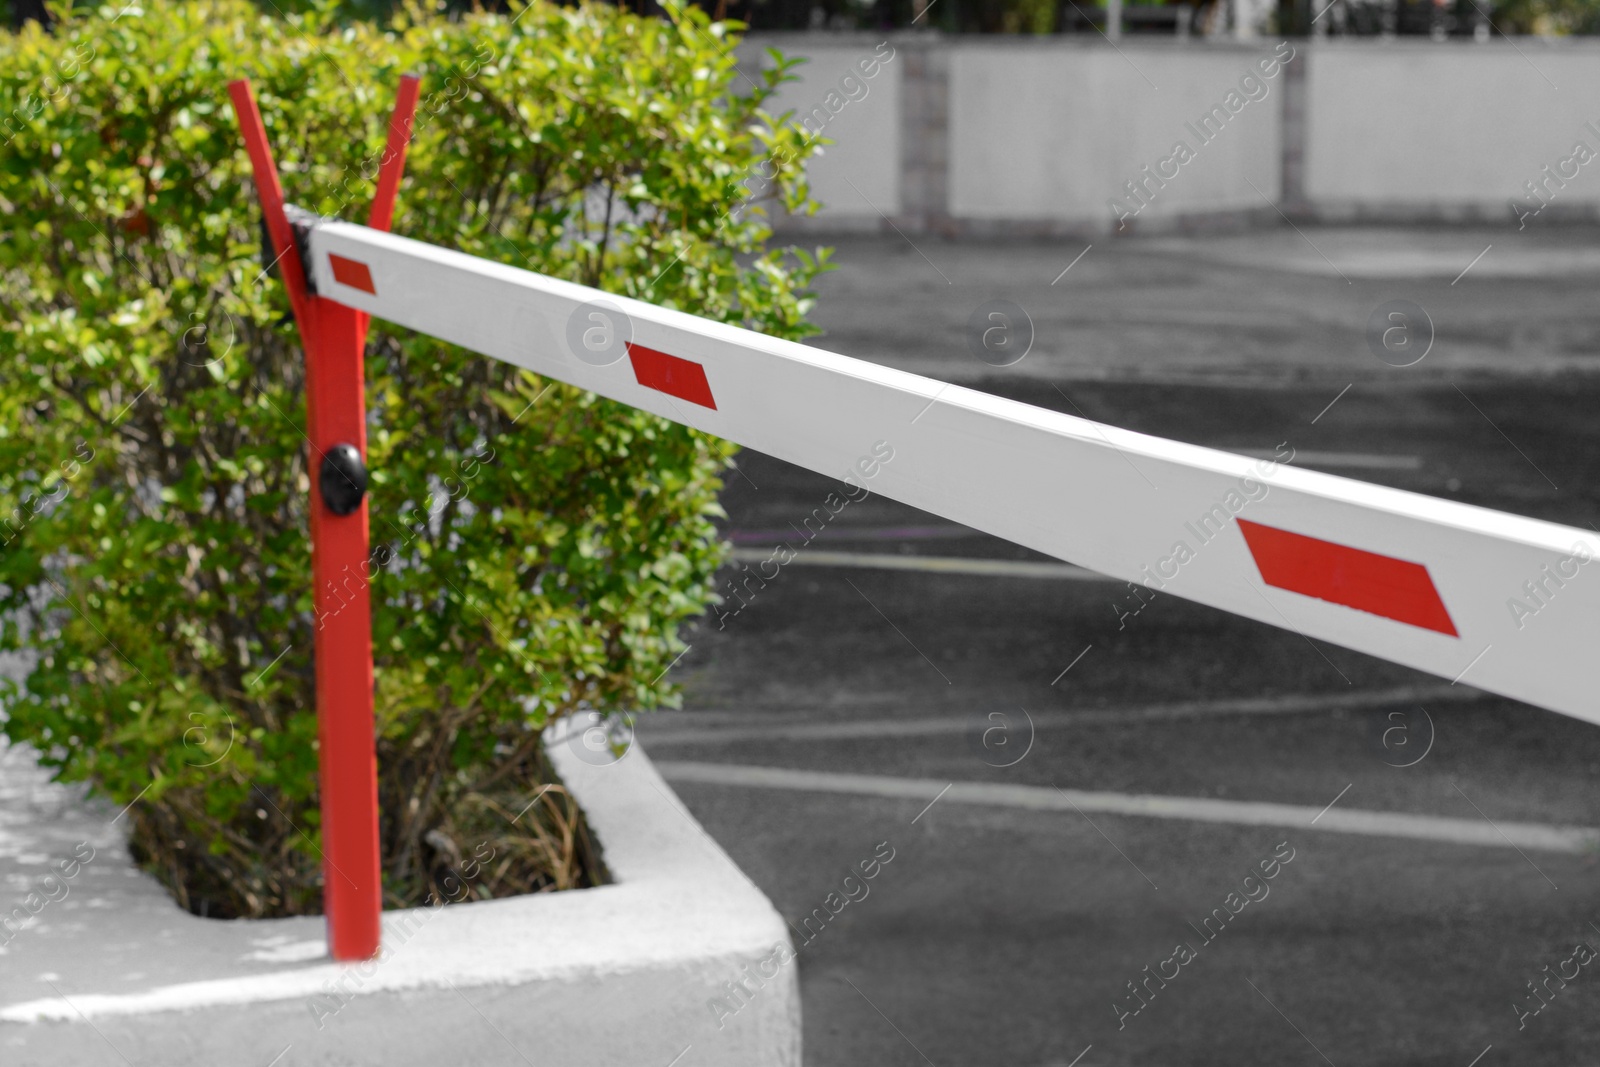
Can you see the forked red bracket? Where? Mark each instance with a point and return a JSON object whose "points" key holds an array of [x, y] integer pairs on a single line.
{"points": [[334, 338]]}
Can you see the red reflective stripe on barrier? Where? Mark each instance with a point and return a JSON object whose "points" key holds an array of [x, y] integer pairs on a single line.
{"points": [[1382, 585], [669, 374], [349, 272]]}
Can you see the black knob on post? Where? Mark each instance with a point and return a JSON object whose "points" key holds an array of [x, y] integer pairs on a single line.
{"points": [[343, 479]]}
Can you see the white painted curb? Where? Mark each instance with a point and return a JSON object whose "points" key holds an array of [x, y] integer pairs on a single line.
{"points": [[622, 974]]}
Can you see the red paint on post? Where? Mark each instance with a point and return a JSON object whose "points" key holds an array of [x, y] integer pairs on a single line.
{"points": [[393, 161], [681, 378], [392, 164], [352, 883], [1380, 585], [351, 273], [334, 338], [270, 193]]}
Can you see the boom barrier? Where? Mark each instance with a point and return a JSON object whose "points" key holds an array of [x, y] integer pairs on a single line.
{"points": [[1502, 602], [1414, 579]]}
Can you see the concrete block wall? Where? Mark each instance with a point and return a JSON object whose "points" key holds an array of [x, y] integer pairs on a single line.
{"points": [[1408, 131], [1072, 136]]}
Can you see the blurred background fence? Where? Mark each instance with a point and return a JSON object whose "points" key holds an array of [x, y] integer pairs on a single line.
{"points": [[1067, 135]]}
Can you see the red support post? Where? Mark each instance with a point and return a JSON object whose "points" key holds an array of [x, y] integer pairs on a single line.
{"points": [[393, 162], [334, 338]]}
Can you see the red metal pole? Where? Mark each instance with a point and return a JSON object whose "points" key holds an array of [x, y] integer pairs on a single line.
{"points": [[334, 338], [393, 162], [352, 882]]}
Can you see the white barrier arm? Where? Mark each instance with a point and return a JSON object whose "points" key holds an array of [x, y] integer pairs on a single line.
{"points": [[1505, 603]]}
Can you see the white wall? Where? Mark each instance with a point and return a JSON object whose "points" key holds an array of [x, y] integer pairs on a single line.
{"points": [[1424, 129], [1053, 131], [1043, 132], [867, 130]]}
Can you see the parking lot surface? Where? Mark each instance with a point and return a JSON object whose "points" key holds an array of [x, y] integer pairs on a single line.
{"points": [[1000, 732]]}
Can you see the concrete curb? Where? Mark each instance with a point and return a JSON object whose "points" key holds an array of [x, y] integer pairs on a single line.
{"points": [[634, 973]]}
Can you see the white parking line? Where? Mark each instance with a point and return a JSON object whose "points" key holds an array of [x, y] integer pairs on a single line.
{"points": [[1475, 832], [718, 728], [990, 568]]}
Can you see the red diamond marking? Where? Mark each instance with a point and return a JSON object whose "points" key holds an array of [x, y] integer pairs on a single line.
{"points": [[681, 378], [351, 273], [1380, 585]]}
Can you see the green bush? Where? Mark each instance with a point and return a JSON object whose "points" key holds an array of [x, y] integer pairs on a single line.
{"points": [[536, 548], [1552, 18]]}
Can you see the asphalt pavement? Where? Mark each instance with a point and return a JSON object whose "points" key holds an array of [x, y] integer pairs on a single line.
{"points": [[1001, 730]]}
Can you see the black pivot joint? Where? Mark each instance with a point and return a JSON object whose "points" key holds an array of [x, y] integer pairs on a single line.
{"points": [[343, 479], [301, 223]]}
